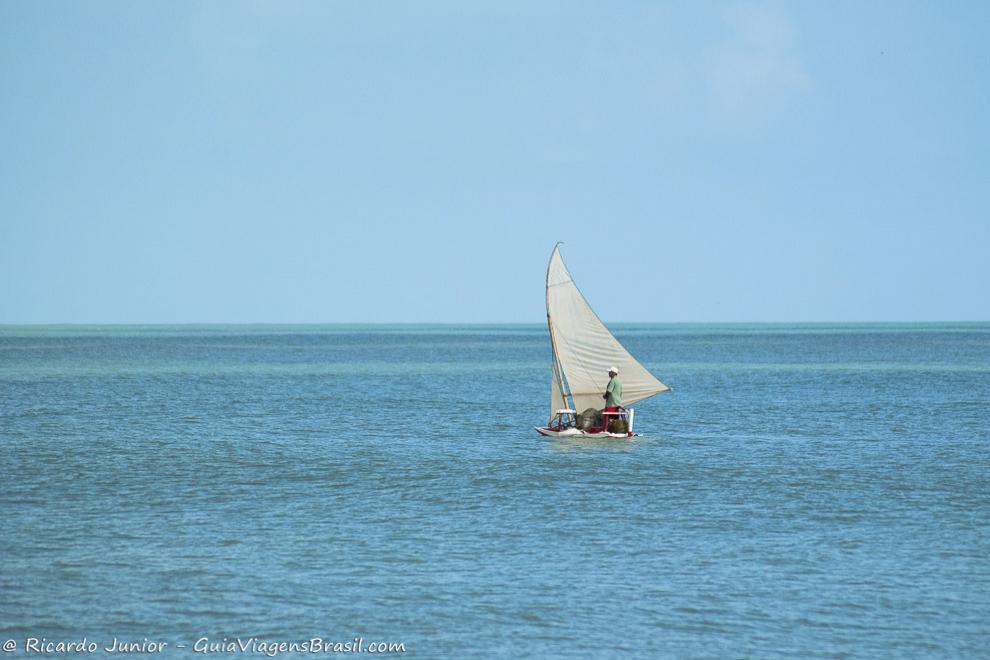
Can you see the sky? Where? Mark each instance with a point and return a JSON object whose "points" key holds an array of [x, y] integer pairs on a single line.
{"points": [[317, 162]]}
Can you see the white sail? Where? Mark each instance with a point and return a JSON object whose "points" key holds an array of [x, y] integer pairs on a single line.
{"points": [[584, 349]]}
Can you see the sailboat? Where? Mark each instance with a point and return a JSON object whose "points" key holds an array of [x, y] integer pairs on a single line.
{"points": [[583, 353]]}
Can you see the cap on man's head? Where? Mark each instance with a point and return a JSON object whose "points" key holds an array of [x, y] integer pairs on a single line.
{"points": [[613, 370]]}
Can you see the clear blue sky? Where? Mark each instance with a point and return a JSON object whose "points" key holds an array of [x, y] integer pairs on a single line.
{"points": [[416, 161]]}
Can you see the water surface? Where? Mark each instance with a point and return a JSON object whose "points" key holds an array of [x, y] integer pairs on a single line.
{"points": [[805, 491]]}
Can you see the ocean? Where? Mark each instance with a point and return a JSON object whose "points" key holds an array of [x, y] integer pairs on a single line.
{"points": [[805, 491]]}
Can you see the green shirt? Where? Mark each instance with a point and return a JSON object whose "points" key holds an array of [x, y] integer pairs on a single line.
{"points": [[613, 392]]}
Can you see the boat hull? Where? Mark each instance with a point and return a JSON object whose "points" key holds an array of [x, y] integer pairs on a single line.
{"points": [[578, 433]]}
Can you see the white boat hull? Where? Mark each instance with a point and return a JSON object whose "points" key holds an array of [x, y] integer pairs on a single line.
{"points": [[578, 433]]}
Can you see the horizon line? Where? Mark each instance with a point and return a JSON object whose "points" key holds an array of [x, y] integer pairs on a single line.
{"points": [[468, 323]]}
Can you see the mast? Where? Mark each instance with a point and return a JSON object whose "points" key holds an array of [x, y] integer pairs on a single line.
{"points": [[555, 369]]}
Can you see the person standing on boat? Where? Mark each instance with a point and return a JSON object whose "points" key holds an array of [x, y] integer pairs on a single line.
{"points": [[613, 391], [612, 396]]}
